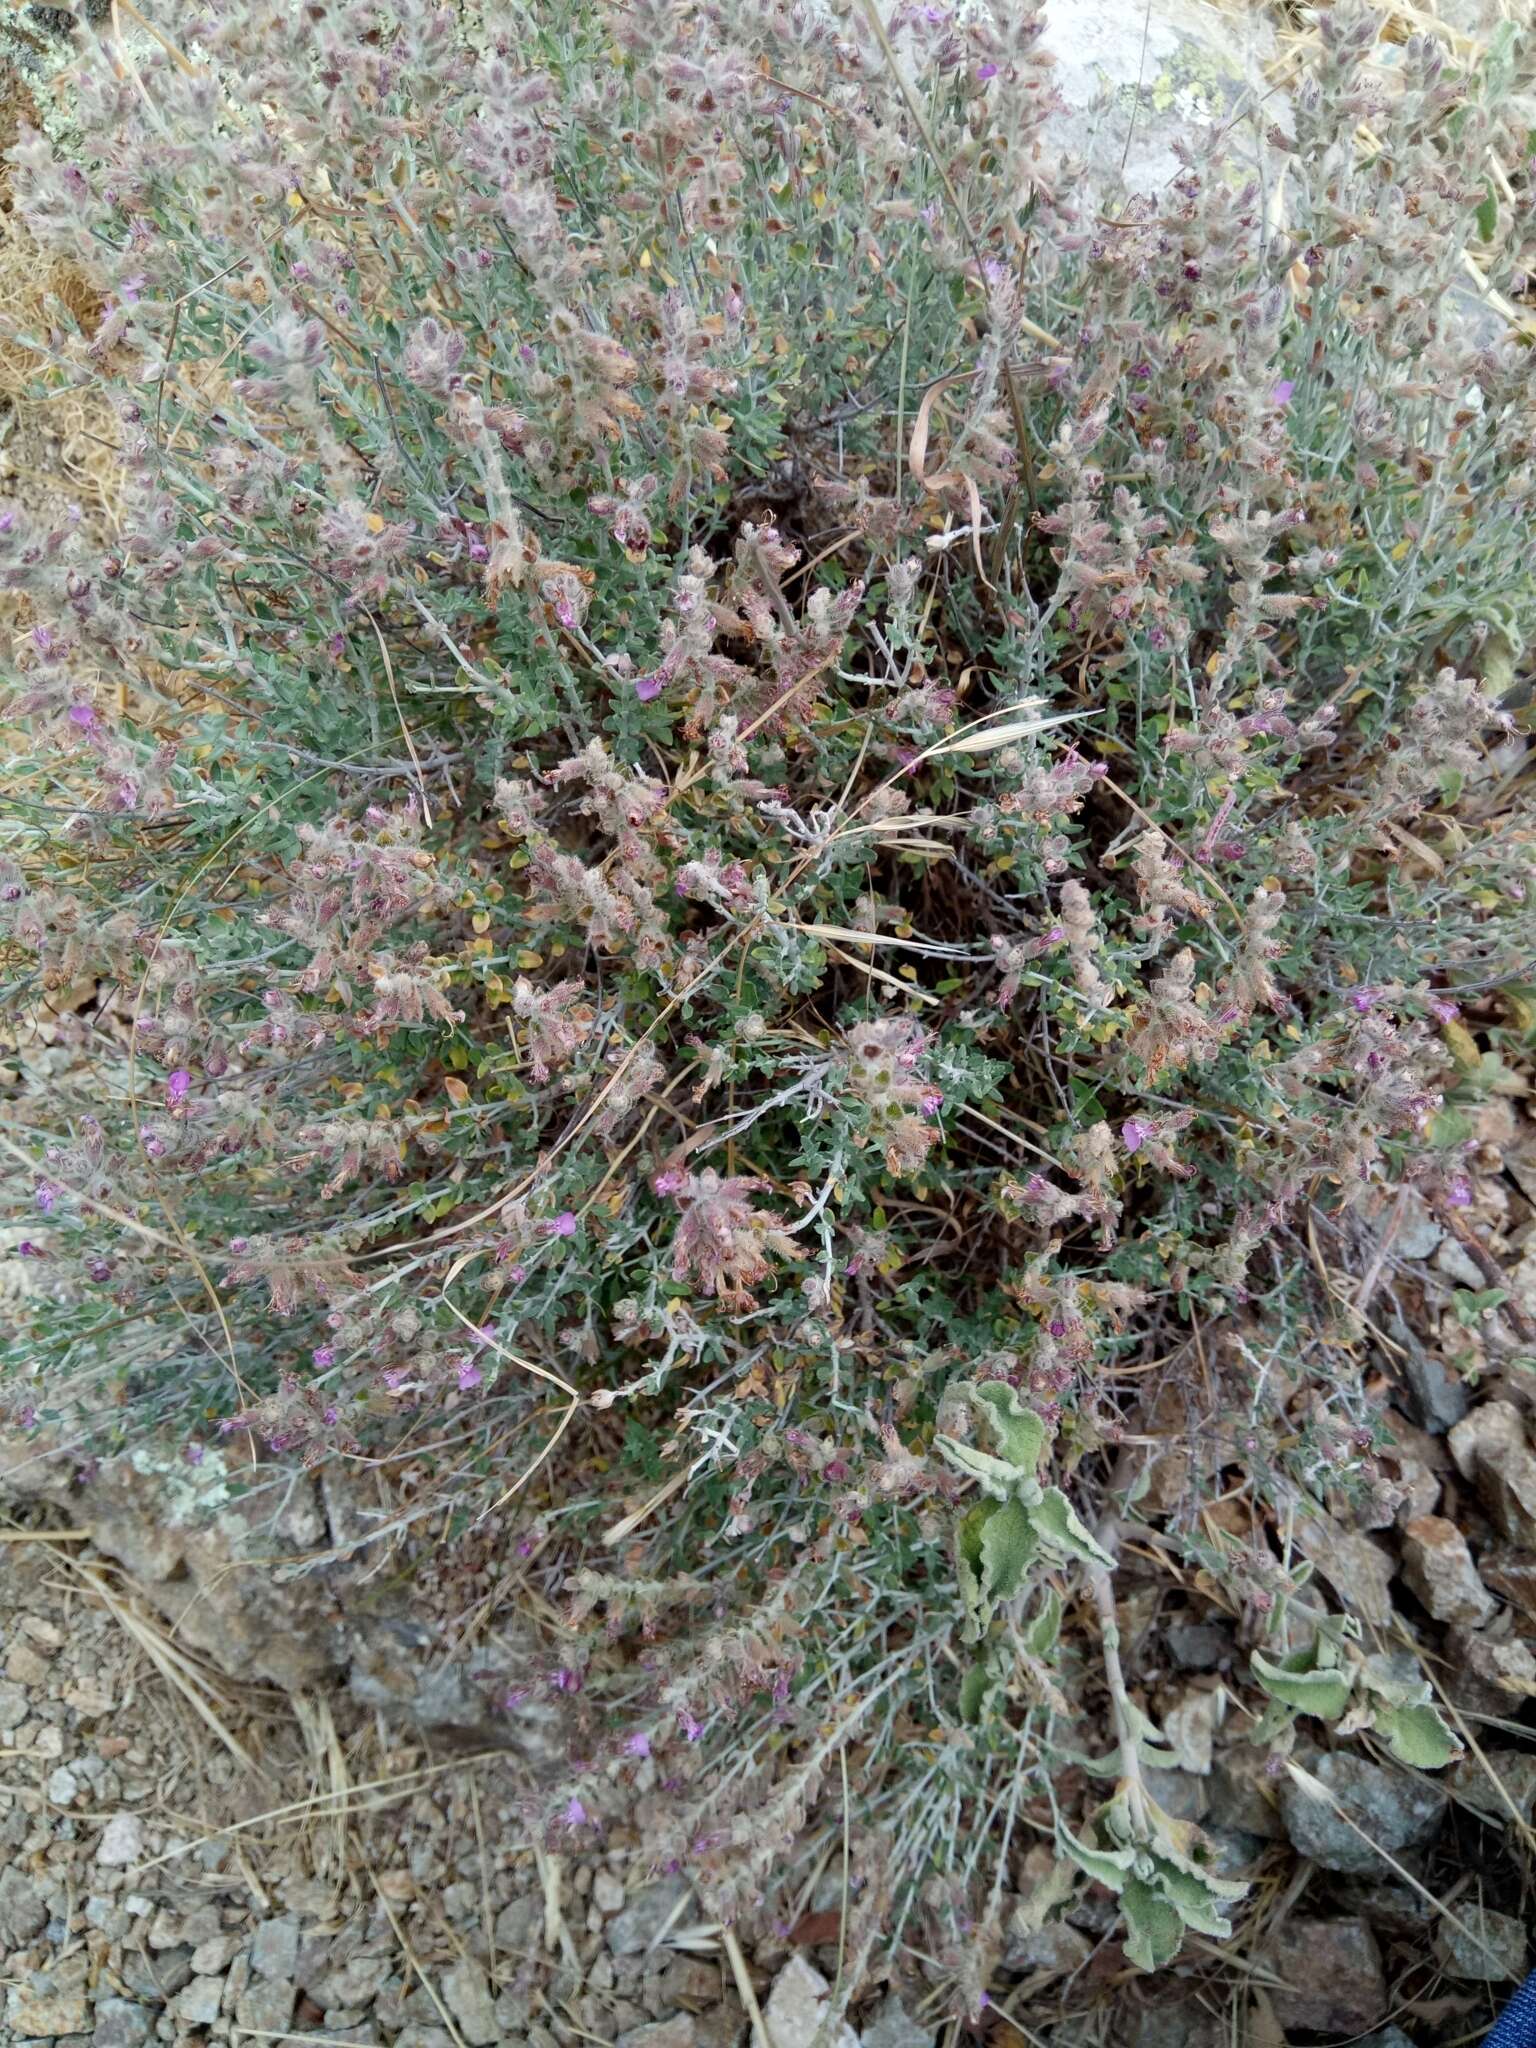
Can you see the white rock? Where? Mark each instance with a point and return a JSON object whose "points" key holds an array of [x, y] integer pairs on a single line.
{"points": [[1136, 75], [796, 2007], [607, 1892], [62, 1785], [122, 1841]]}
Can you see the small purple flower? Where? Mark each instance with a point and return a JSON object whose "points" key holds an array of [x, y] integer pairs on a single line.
{"points": [[563, 1225], [28, 1250], [1281, 394], [194, 1454], [1134, 1133], [470, 1375], [1364, 1000], [99, 1270], [638, 1744], [648, 687], [576, 1815], [932, 1102], [985, 72], [47, 1195], [1442, 1011], [670, 1182], [83, 715], [324, 1355], [176, 1087], [1458, 1192], [691, 1728], [565, 1679]]}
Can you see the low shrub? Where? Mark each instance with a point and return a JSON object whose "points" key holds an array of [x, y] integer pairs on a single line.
{"points": [[763, 832]]}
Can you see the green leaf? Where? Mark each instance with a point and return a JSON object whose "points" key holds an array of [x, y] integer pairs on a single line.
{"points": [[1020, 1434], [1324, 1693], [1057, 1525], [974, 1688], [968, 1534], [1472, 1305], [1106, 1866], [1157, 1930], [997, 1477], [1009, 1547], [1039, 1636], [1417, 1736], [1394, 1676], [1198, 1898], [1487, 215]]}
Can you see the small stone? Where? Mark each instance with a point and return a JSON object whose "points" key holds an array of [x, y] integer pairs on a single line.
{"points": [[1411, 1465], [894, 2027], [1490, 1449], [62, 1785], [1512, 1575], [1179, 2026], [1487, 1672], [1358, 1568], [1438, 1566], [517, 1926], [724, 2026], [348, 1983], [1392, 1908], [198, 2003], [13, 1708], [639, 1925], [267, 2006], [211, 1958], [1392, 1810], [467, 1995], [1385, 2037], [676, 2032], [23, 1664], [461, 1901], [688, 1982], [797, 2006], [1179, 1793], [1198, 1645], [1244, 1795], [120, 2024], [608, 1892], [52, 2002], [107, 1916], [22, 1911], [275, 1949], [1439, 1393], [423, 2037], [1332, 1971], [1057, 1946], [158, 1976], [122, 1841], [1417, 1235], [1470, 1783], [1490, 1951]]}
